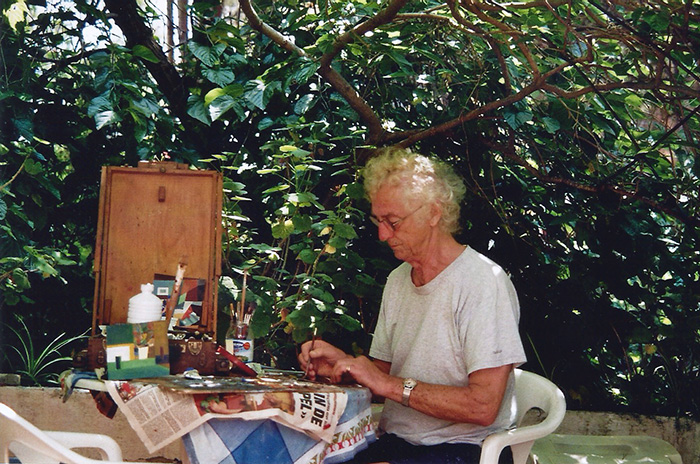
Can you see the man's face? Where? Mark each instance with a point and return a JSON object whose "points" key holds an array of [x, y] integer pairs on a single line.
{"points": [[402, 223]]}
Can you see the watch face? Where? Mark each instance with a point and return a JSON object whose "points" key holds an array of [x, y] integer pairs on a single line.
{"points": [[409, 383]]}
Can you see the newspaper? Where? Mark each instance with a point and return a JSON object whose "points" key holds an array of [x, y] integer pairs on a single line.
{"points": [[161, 415]]}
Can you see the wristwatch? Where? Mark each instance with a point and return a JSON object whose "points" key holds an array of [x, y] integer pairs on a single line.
{"points": [[408, 386]]}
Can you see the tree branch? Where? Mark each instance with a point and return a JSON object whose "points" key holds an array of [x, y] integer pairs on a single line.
{"points": [[169, 81], [383, 17], [623, 193], [331, 76]]}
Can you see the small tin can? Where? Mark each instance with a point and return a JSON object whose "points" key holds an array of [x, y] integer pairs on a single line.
{"points": [[243, 349]]}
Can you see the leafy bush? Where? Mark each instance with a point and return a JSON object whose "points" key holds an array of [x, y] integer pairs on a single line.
{"points": [[577, 146]]}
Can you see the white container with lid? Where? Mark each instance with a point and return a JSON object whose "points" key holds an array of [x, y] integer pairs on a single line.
{"points": [[145, 306]]}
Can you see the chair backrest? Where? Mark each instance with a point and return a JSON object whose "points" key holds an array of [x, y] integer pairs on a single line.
{"points": [[535, 392], [31, 445], [531, 392]]}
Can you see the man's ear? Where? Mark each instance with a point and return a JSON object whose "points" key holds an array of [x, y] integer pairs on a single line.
{"points": [[435, 214]]}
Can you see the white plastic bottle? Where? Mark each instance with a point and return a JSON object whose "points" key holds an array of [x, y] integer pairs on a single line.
{"points": [[145, 306]]}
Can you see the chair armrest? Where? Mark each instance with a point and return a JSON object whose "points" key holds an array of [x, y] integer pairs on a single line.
{"points": [[524, 436], [109, 449], [521, 439]]}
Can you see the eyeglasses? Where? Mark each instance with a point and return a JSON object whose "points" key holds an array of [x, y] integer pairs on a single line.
{"points": [[393, 225]]}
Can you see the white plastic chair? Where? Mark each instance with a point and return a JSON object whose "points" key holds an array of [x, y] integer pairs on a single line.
{"points": [[531, 391], [31, 445]]}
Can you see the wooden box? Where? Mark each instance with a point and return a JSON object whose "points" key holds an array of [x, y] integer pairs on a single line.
{"points": [[150, 218]]}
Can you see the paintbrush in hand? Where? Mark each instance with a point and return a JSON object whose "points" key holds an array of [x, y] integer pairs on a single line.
{"points": [[308, 364]]}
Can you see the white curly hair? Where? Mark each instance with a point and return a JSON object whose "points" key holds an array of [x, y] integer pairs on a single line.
{"points": [[422, 179]]}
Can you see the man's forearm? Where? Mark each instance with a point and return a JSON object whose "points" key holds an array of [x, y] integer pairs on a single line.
{"points": [[478, 402]]}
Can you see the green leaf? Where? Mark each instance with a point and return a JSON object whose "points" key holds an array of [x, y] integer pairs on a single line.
{"points": [[255, 94], [33, 167], [213, 94], [633, 100], [355, 190], [145, 53], [219, 77], [140, 131], [25, 127], [104, 118], [196, 109], [220, 106], [658, 20], [551, 125], [304, 104], [276, 188], [399, 56], [302, 222], [234, 187], [305, 72], [146, 106], [20, 279], [349, 323], [515, 120], [266, 123], [100, 108], [322, 295], [98, 104], [282, 229], [302, 198], [345, 230], [261, 323], [46, 268], [207, 55], [16, 13], [308, 256], [338, 242]]}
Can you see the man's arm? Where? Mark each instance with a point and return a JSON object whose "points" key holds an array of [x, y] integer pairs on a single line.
{"points": [[477, 403]]}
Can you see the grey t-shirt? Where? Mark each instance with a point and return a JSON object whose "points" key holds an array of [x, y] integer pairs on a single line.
{"points": [[465, 319]]}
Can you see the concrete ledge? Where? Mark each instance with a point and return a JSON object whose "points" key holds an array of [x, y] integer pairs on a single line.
{"points": [[682, 434], [10, 379], [611, 449], [43, 408]]}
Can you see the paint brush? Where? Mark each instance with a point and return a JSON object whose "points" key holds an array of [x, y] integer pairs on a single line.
{"points": [[172, 301], [308, 364]]}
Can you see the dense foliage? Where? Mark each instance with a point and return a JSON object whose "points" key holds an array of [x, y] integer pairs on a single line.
{"points": [[573, 123]]}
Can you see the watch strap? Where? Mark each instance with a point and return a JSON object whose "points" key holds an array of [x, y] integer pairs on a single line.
{"points": [[408, 386]]}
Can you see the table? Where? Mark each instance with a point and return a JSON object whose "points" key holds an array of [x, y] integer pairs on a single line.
{"points": [[237, 420], [265, 441]]}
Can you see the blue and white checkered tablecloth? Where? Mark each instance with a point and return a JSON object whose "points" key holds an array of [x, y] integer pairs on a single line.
{"points": [[236, 441]]}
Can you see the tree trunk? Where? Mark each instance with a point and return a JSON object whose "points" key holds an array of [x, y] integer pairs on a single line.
{"points": [[169, 81]]}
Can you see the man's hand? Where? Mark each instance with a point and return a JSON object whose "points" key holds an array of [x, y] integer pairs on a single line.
{"points": [[371, 374], [319, 361]]}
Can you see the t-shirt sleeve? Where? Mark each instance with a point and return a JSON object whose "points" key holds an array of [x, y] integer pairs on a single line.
{"points": [[489, 328]]}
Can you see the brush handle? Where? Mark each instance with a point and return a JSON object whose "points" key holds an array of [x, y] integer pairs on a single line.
{"points": [[172, 301]]}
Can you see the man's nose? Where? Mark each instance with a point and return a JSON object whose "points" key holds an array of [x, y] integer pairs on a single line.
{"points": [[384, 231]]}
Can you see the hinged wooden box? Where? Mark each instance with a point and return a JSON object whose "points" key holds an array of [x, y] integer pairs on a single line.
{"points": [[150, 217]]}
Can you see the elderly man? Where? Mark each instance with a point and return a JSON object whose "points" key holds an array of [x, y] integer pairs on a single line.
{"points": [[447, 336]]}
